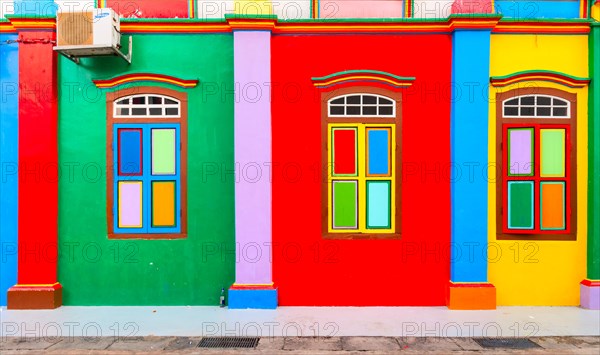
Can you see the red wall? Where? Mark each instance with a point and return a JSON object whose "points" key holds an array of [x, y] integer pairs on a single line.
{"points": [[150, 8], [309, 270]]}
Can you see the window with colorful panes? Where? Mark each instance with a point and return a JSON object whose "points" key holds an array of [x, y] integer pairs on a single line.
{"points": [[147, 191], [362, 192], [537, 150]]}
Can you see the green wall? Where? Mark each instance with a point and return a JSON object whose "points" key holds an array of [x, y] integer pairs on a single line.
{"points": [[97, 271]]}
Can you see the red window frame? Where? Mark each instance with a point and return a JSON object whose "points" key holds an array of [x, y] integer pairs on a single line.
{"points": [[536, 178], [502, 125]]}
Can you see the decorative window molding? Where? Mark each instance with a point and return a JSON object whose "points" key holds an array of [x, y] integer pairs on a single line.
{"points": [[539, 75], [356, 77], [540, 106], [536, 189], [147, 164], [361, 151], [144, 77]]}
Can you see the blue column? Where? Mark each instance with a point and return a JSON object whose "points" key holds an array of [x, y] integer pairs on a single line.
{"points": [[9, 156], [469, 153]]}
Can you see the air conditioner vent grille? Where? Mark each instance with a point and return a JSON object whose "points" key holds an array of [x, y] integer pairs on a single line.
{"points": [[75, 28]]}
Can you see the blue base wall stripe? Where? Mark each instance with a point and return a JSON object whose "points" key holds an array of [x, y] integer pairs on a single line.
{"points": [[9, 157], [255, 299], [538, 9], [469, 151]]}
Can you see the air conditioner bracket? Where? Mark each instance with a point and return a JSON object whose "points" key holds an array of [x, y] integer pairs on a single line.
{"points": [[75, 52]]}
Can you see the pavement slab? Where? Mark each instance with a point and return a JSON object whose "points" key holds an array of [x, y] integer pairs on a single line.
{"points": [[312, 343], [370, 344], [21, 343], [141, 343], [83, 343], [467, 344], [271, 343], [428, 344], [584, 342], [183, 343], [557, 343]]}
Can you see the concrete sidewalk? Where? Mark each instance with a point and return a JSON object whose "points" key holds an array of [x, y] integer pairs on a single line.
{"points": [[300, 321], [299, 330], [294, 345]]}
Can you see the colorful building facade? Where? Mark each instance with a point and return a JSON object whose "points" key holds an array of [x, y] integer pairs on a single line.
{"points": [[304, 153]]}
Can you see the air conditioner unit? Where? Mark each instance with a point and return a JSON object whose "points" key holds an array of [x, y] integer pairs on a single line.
{"points": [[89, 33]]}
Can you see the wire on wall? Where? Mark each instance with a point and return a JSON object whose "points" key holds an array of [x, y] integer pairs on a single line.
{"points": [[28, 41]]}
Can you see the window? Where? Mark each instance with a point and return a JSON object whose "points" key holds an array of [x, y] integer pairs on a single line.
{"points": [[529, 106], [536, 194], [147, 167], [146, 105], [361, 134]]}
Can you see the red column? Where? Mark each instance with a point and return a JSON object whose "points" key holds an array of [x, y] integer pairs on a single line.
{"points": [[37, 286]]}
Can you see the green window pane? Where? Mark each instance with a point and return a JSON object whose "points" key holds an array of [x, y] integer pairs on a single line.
{"points": [[345, 205], [520, 204], [552, 152], [163, 152]]}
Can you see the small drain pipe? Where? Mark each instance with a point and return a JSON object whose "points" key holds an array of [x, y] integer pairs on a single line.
{"points": [[222, 298]]}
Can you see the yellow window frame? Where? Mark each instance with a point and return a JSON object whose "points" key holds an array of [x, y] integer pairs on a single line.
{"points": [[362, 177]]}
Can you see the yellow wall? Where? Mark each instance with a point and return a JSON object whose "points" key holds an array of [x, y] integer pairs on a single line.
{"points": [[253, 7], [596, 11], [540, 272]]}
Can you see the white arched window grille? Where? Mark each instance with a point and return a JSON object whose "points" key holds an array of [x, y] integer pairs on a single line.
{"points": [[147, 105], [362, 105], [536, 106]]}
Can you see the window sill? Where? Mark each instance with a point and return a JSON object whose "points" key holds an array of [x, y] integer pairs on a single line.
{"points": [[361, 236], [537, 237], [148, 236]]}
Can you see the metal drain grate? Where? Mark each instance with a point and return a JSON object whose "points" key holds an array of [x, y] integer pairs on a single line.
{"points": [[229, 342], [506, 343]]}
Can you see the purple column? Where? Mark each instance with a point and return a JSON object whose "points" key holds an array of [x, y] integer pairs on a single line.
{"points": [[253, 286]]}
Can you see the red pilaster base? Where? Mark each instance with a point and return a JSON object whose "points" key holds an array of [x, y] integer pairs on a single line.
{"points": [[34, 297], [471, 296]]}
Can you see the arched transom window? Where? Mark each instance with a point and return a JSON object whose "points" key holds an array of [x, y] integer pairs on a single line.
{"points": [[529, 106], [362, 105], [147, 105]]}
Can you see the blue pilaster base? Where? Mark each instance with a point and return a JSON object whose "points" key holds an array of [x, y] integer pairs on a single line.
{"points": [[252, 298]]}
